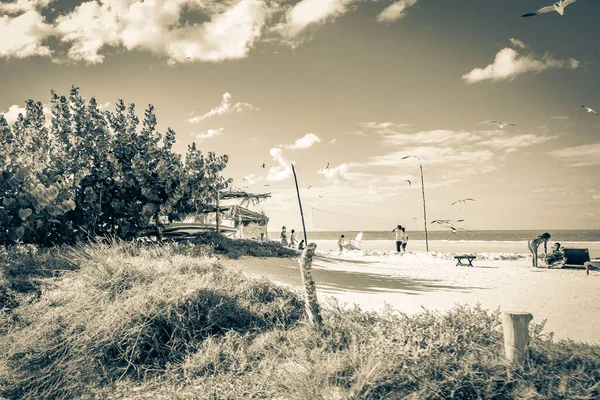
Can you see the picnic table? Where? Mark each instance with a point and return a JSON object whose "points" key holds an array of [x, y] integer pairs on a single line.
{"points": [[468, 257]]}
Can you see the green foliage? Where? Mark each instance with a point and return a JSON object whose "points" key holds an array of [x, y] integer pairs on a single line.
{"points": [[236, 248], [90, 172]]}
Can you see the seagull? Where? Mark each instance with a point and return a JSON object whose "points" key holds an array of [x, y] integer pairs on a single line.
{"points": [[309, 186], [327, 167], [445, 221], [590, 110], [559, 7], [462, 201], [320, 197], [263, 165], [267, 184], [409, 182], [188, 58], [413, 156], [501, 125]]}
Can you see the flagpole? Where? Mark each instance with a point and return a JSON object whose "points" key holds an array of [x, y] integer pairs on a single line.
{"points": [[424, 208]]}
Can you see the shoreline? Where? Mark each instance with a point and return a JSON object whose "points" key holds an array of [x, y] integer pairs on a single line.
{"points": [[567, 299]]}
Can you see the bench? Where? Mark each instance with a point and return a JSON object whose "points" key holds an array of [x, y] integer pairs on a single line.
{"points": [[575, 258], [468, 257]]}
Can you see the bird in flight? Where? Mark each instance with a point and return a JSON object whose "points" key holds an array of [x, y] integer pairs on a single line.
{"points": [[590, 110], [501, 125], [559, 7], [327, 167], [309, 186], [448, 223], [263, 165], [409, 182], [320, 196], [413, 156], [267, 184], [462, 201], [188, 58]]}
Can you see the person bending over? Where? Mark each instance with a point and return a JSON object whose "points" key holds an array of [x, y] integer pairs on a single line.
{"points": [[535, 243]]}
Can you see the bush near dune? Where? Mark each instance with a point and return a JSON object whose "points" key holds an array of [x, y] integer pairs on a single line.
{"points": [[235, 248], [147, 322]]}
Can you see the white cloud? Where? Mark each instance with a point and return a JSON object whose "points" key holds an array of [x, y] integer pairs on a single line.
{"points": [[382, 125], [304, 142], [332, 141], [395, 11], [560, 117], [311, 12], [226, 107], [434, 155], [22, 36], [283, 170], [580, 156], [211, 133], [339, 173], [104, 106], [508, 64], [518, 43], [429, 137], [13, 113], [21, 6], [512, 143]]}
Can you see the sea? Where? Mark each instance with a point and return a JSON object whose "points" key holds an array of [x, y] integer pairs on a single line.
{"points": [[471, 241]]}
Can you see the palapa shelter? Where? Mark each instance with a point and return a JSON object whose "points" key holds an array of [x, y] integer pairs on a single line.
{"points": [[236, 221]]}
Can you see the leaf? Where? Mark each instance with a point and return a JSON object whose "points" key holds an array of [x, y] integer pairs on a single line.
{"points": [[24, 213]]}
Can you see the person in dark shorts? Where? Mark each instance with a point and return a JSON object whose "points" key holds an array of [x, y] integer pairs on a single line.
{"points": [[341, 242], [404, 239], [557, 256], [398, 231]]}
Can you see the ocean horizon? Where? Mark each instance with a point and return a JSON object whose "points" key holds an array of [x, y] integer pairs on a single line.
{"points": [[566, 235]]}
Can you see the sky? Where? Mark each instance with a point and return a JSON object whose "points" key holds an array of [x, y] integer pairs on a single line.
{"points": [[345, 90]]}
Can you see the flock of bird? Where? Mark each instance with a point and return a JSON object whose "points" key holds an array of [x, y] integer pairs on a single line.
{"points": [[558, 6]]}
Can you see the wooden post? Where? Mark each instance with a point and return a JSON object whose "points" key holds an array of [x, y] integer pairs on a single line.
{"points": [[516, 336], [424, 209], [217, 217], [311, 303], [241, 226]]}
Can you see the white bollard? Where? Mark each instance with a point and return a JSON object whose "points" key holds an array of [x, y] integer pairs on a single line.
{"points": [[516, 336]]}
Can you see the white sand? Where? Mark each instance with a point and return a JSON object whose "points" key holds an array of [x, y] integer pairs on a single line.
{"points": [[568, 299]]}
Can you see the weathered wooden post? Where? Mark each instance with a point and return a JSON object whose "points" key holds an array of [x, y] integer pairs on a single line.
{"points": [[217, 216], [516, 336], [310, 291]]}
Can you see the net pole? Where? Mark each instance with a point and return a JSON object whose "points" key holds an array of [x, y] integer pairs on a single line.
{"points": [[300, 205], [424, 208]]}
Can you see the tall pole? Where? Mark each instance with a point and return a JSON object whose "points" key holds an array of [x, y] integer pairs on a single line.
{"points": [[300, 204], [424, 209], [218, 211]]}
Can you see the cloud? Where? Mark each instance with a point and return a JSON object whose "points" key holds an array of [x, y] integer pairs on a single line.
{"points": [[382, 125], [332, 141], [311, 12], [340, 173], [508, 64], [434, 155], [580, 156], [226, 107], [518, 43], [13, 113], [283, 170], [104, 106], [304, 142], [211, 133], [395, 11], [22, 36], [159, 26], [429, 137], [560, 117], [512, 143], [22, 6]]}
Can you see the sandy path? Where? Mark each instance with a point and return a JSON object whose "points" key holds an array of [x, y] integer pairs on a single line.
{"points": [[568, 299]]}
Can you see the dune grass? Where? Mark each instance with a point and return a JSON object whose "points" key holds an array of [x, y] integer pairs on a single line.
{"points": [[149, 322]]}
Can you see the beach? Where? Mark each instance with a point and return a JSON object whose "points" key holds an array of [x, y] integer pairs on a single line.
{"points": [[501, 277]]}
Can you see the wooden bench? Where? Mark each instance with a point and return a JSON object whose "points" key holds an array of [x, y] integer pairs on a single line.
{"points": [[468, 257]]}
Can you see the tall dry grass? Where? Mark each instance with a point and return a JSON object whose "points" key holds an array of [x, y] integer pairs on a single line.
{"points": [[149, 323]]}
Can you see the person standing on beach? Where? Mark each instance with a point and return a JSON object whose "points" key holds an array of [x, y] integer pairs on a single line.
{"points": [[340, 243], [535, 243], [404, 240], [399, 234], [292, 238], [283, 236]]}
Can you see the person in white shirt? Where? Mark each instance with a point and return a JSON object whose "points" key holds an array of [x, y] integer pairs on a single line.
{"points": [[399, 234]]}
